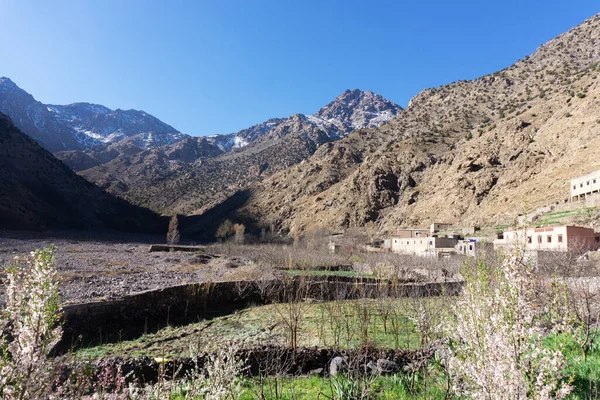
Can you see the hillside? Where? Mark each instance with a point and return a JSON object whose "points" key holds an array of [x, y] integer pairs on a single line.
{"points": [[37, 191], [472, 152]]}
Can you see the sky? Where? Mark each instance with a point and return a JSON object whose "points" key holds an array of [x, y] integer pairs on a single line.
{"points": [[220, 66]]}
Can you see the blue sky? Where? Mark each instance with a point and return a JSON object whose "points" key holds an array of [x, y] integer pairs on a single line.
{"points": [[220, 66]]}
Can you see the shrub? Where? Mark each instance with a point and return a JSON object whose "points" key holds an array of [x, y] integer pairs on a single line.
{"points": [[29, 326], [496, 348]]}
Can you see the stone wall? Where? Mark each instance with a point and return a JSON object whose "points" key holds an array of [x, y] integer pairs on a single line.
{"points": [[131, 316], [266, 361]]}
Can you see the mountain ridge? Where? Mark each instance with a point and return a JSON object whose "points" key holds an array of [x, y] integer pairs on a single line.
{"points": [[160, 179], [475, 152], [80, 126]]}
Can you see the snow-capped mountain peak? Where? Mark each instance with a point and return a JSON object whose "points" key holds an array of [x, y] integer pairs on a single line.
{"points": [[81, 126], [353, 109]]}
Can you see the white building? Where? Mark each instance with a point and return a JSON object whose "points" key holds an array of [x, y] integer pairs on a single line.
{"points": [[584, 186], [550, 238], [423, 246]]}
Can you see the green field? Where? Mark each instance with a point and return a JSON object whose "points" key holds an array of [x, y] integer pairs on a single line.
{"points": [[561, 217], [344, 324], [341, 324]]}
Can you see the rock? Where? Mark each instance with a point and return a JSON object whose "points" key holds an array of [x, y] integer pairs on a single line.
{"points": [[338, 365], [318, 371], [371, 367], [386, 366]]}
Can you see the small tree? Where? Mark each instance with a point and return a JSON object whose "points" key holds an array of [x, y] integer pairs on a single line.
{"points": [[173, 233], [224, 230], [496, 347], [29, 327], [239, 230]]}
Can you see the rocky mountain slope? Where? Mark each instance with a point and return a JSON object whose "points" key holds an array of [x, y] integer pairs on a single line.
{"points": [[472, 152], [37, 191], [218, 166], [81, 126]]}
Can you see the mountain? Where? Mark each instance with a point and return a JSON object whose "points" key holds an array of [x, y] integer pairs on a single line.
{"points": [[81, 126], [165, 181], [471, 152], [37, 191], [353, 109], [244, 137]]}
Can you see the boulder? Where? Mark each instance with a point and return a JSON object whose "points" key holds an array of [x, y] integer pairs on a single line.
{"points": [[386, 366], [338, 365]]}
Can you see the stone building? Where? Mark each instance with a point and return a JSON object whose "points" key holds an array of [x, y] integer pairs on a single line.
{"points": [[585, 186]]}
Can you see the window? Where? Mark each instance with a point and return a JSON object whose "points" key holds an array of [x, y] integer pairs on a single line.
{"points": [[431, 242], [549, 239], [395, 241], [540, 239], [588, 183], [417, 234], [598, 239], [529, 239], [470, 247], [581, 185], [560, 238], [574, 187]]}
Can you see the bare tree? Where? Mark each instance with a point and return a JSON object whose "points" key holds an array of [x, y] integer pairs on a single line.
{"points": [[585, 303], [291, 305]]}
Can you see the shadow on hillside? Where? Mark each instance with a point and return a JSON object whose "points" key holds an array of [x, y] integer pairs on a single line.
{"points": [[203, 227]]}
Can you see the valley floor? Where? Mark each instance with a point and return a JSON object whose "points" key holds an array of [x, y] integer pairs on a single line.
{"points": [[107, 265]]}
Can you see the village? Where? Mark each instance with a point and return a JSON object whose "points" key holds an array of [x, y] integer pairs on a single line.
{"points": [[529, 233]]}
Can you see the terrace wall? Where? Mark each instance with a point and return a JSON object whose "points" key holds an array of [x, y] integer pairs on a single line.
{"points": [[131, 316]]}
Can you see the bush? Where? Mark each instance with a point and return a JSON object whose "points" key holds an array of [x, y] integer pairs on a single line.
{"points": [[496, 346], [29, 326]]}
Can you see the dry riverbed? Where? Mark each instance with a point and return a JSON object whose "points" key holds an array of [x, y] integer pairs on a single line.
{"points": [[112, 266]]}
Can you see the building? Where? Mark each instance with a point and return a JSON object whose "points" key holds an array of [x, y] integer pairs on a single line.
{"points": [[551, 238], [423, 245], [585, 186], [473, 247], [439, 226], [409, 233]]}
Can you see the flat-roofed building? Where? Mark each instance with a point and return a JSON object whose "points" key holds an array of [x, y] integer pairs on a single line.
{"points": [[550, 238], [439, 226], [474, 247], [407, 233], [423, 245], [585, 186]]}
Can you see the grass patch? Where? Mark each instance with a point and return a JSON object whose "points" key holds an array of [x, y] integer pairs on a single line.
{"points": [[584, 374], [559, 217]]}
